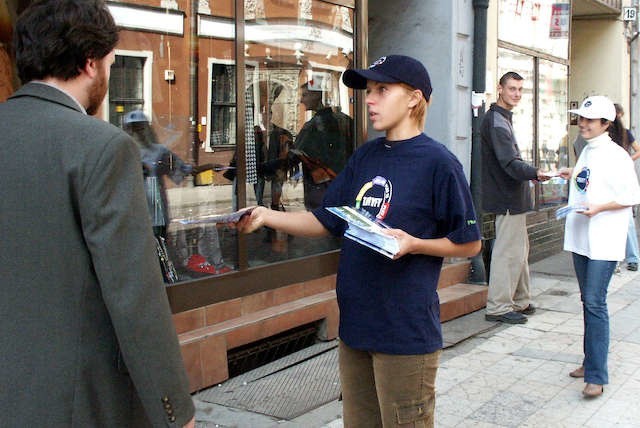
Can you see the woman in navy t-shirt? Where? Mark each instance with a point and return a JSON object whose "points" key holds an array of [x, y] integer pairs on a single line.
{"points": [[390, 336]]}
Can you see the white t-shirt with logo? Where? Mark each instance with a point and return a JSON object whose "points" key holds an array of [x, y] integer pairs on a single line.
{"points": [[603, 173]]}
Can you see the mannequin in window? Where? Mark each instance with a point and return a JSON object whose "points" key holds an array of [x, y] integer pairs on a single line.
{"points": [[323, 145]]}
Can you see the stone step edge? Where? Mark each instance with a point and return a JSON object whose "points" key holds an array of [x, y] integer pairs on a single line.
{"points": [[256, 317], [454, 273], [461, 299]]}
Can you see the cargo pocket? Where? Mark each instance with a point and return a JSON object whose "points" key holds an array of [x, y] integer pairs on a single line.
{"points": [[415, 413]]}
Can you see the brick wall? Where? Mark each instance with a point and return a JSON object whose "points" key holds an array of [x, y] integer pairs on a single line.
{"points": [[546, 234]]}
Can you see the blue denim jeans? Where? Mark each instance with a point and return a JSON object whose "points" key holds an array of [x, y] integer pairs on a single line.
{"points": [[593, 279], [631, 252]]}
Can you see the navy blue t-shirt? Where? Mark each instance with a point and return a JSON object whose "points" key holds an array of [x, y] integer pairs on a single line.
{"points": [[417, 185]]}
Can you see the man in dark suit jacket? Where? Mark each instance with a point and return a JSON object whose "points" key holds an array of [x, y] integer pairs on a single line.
{"points": [[86, 336]]}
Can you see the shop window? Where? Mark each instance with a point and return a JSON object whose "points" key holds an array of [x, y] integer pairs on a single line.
{"points": [[129, 85], [541, 133], [534, 41], [303, 115], [249, 141], [296, 109], [524, 112], [552, 129]]}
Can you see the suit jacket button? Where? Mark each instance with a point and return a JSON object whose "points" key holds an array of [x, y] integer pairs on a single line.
{"points": [[165, 399], [172, 419], [167, 405]]}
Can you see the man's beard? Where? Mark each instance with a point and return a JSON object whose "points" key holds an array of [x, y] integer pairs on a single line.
{"points": [[97, 92]]}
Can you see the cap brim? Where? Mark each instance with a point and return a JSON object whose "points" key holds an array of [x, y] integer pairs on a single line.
{"points": [[588, 115], [357, 79]]}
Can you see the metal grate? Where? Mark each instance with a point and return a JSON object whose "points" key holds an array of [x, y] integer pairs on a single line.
{"points": [[248, 357], [284, 389]]}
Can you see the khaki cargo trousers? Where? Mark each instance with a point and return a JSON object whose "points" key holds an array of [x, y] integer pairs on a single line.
{"points": [[382, 390], [509, 288]]}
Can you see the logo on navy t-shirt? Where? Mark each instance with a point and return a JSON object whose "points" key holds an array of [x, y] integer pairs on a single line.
{"points": [[375, 197], [582, 179]]}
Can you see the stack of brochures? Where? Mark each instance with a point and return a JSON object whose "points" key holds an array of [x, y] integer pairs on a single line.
{"points": [[366, 230]]}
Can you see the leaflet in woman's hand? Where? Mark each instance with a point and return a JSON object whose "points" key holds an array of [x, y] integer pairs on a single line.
{"points": [[564, 211], [366, 231]]}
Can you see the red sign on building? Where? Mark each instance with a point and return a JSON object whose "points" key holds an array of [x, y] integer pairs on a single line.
{"points": [[559, 25]]}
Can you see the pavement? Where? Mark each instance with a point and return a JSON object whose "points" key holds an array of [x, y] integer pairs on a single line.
{"points": [[491, 374]]}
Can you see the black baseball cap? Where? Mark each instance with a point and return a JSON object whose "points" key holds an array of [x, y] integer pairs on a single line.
{"points": [[391, 69]]}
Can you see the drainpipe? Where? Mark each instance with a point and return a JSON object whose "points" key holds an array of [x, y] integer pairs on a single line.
{"points": [[478, 273], [634, 99], [194, 59]]}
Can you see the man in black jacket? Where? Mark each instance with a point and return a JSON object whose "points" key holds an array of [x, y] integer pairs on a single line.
{"points": [[507, 194]]}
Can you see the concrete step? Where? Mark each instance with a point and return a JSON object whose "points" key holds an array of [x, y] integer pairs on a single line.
{"points": [[460, 299], [454, 272]]}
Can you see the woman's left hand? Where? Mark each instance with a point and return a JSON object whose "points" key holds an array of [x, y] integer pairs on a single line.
{"points": [[405, 241]]}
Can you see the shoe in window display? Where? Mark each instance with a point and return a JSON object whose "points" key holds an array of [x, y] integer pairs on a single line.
{"points": [[197, 263]]}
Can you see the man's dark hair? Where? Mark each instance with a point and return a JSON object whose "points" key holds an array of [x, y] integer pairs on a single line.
{"points": [[55, 38], [509, 75]]}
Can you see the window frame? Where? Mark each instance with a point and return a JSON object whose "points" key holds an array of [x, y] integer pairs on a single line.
{"points": [[147, 83], [248, 280], [536, 57]]}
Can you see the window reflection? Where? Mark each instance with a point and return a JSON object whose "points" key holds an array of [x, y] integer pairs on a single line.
{"points": [[298, 131], [523, 113], [204, 249], [552, 101], [301, 114], [552, 129]]}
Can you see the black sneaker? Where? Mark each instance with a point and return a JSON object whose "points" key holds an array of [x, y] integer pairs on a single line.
{"points": [[632, 266], [512, 317], [529, 310]]}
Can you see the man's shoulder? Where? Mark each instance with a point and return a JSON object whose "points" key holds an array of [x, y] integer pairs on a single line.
{"points": [[488, 116], [54, 108], [497, 117], [47, 102], [97, 129]]}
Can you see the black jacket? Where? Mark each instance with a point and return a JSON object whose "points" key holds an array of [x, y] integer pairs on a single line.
{"points": [[505, 176]]}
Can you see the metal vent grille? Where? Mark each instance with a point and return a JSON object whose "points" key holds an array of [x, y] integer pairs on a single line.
{"points": [[245, 358]]}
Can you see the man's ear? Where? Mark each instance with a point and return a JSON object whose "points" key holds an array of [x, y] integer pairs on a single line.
{"points": [[90, 67]]}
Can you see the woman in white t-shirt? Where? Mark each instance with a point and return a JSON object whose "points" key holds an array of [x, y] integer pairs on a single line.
{"points": [[603, 188]]}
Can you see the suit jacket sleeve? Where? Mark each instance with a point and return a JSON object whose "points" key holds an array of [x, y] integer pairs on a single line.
{"points": [[118, 233]]}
